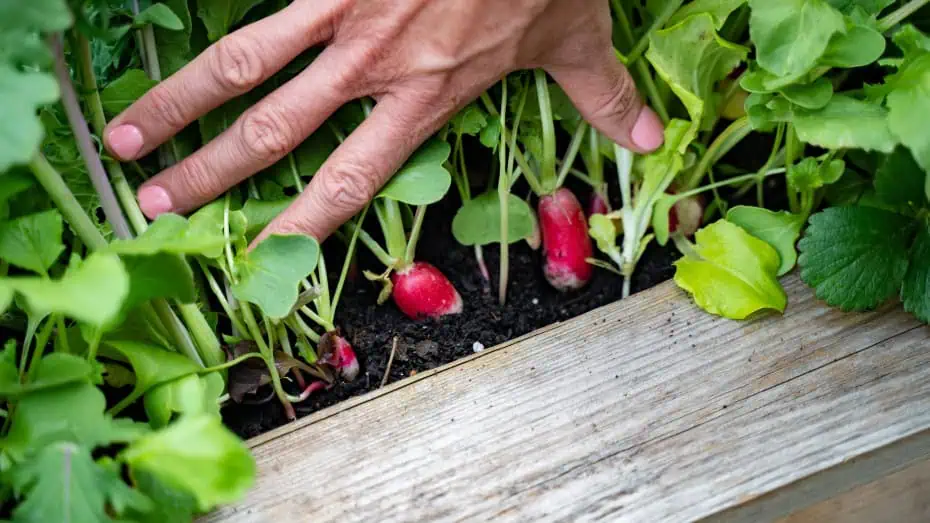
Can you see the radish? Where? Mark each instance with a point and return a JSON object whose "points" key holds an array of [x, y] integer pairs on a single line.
{"points": [[565, 241], [597, 204], [422, 291], [337, 352], [686, 215]]}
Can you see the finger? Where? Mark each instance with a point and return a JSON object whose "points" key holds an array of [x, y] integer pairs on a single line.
{"points": [[606, 96], [357, 170], [261, 136], [232, 66]]}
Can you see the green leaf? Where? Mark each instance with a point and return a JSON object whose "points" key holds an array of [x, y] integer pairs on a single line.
{"points": [[22, 92], [72, 413], [855, 257], [53, 370], [198, 455], [604, 233], [32, 242], [46, 16], [692, 58], [731, 273], [908, 104], [809, 96], [269, 275], [791, 35], [809, 174], [915, 292], [162, 275], [779, 229], [220, 15], [858, 47], [125, 90], [174, 47], [306, 159], [159, 15], [259, 213], [469, 121], [92, 293], [719, 10], [63, 483], [189, 395], [846, 123], [423, 179], [171, 233], [152, 365], [169, 504], [900, 181], [478, 222], [869, 7]]}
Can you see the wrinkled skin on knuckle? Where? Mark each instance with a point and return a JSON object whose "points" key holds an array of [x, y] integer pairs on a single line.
{"points": [[237, 63], [350, 185], [164, 107], [619, 101], [194, 181], [267, 133]]}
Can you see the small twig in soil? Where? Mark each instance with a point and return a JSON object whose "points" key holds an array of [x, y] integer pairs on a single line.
{"points": [[387, 371]]}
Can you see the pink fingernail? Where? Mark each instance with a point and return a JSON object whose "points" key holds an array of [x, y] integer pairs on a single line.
{"points": [[125, 141], [648, 133], [154, 201]]}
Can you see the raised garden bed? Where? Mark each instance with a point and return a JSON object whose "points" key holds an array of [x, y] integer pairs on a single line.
{"points": [[667, 415], [535, 362]]}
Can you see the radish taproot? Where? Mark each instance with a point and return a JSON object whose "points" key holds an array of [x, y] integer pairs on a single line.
{"points": [[337, 352], [565, 241], [423, 291]]}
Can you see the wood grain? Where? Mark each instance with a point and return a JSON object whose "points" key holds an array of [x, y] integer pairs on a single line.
{"points": [[644, 410], [902, 497]]}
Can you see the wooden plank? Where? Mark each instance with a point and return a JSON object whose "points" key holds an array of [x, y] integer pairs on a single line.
{"points": [[644, 410], [902, 497]]}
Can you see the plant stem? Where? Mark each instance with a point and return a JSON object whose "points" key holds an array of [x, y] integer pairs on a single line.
{"points": [[657, 24], [521, 160], [230, 363], [725, 141], [221, 297], [414, 234], [547, 175], [897, 16], [776, 147], [56, 188], [85, 143], [38, 348], [177, 330], [347, 262], [268, 356], [392, 225], [99, 123], [573, 147], [372, 245], [503, 190], [642, 68]]}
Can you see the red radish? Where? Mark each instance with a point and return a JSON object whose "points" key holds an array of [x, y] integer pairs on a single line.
{"points": [[422, 291], [336, 352], [597, 204], [686, 215], [313, 387], [565, 241]]}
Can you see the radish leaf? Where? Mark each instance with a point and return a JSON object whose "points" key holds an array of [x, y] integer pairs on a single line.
{"points": [[124, 91], [220, 15], [159, 15], [269, 274], [423, 179], [32, 242], [478, 222]]}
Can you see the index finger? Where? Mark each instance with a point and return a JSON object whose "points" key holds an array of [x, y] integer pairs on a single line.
{"points": [[232, 66]]}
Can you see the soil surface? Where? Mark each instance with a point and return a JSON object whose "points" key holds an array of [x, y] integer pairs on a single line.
{"points": [[423, 345]]}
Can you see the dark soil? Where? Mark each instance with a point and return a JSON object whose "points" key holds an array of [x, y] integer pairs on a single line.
{"points": [[423, 345]]}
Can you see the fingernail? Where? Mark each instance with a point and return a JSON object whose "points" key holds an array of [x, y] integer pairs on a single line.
{"points": [[125, 141], [154, 201], [648, 133]]}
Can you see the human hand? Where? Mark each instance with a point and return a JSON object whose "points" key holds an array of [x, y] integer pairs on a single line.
{"points": [[421, 60]]}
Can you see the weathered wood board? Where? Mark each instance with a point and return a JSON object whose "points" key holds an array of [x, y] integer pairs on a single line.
{"points": [[644, 410], [902, 497]]}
